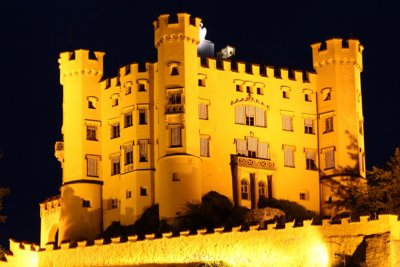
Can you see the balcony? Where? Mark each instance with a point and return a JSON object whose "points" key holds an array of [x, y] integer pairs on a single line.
{"points": [[257, 163], [174, 108]]}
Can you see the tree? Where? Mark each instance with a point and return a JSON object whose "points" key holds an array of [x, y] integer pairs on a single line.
{"points": [[378, 194]]}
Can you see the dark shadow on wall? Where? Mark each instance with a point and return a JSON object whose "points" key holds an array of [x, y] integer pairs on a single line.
{"points": [[76, 221]]}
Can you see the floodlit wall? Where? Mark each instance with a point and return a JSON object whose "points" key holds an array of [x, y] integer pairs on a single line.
{"points": [[376, 242]]}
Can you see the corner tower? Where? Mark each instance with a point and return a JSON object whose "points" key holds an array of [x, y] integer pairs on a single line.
{"points": [[176, 96], [338, 64], [81, 190]]}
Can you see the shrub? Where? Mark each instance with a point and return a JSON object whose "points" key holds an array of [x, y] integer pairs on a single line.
{"points": [[291, 209]]}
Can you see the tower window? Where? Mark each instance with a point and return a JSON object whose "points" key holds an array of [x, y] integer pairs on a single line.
{"points": [[202, 82], [128, 90], [307, 97], [239, 88], [91, 133], [113, 203], [92, 101], [92, 163], [176, 136], [248, 89], [142, 116], [308, 126], [328, 124], [174, 71], [143, 191], [114, 101], [329, 154], [143, 150], [310, 159], [204, 146], [115, 131], [259, 91], [141, 87], [115, 165], [285, 94], [327, 96], [85, 203], [128, 119], [128, 194], [203, 111]]}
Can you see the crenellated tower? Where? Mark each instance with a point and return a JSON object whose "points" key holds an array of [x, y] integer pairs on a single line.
{"points": [[176, 96], [338, 64], [80, 151]]}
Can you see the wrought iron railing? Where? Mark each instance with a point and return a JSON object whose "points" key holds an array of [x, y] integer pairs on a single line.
{"points": [[174, 108], [253, 162]]}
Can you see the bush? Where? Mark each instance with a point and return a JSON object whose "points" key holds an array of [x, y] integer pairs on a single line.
{"points": [[291, 209]]}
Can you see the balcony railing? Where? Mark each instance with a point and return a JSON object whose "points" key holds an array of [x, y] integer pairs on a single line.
{"points": [[174, 108], [258, 163]]}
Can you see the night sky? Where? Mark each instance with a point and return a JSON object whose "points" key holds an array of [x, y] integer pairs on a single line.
{"points": [[273, 33]]}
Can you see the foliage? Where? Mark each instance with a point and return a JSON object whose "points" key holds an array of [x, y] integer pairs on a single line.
{"points": [[291, 209], [378, 194]]}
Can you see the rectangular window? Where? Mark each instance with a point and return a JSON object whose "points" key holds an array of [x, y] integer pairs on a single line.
{"points": [[176, 136], [115, 133], [360, 127], [303, 196], [85, 203], [285, 94], [175, 98], [329, 158], [115, 165], [248, 89], [114, 203], [259, 91], [91, 133], [287, 123], [128, 156], [128, 194], [238, 88], [175, 177], [288, 155], [310, 159], [143, 150], [328, 124], [141, 87], [203, 111], [307, 97], [128, 122], [250, 115], [202, 82], [142, 116], [204, 146], [143, 191], [128, 90], [92, 165], [309, 126]]}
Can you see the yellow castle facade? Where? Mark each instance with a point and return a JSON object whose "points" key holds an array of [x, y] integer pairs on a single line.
{"points": [[187, 124]]}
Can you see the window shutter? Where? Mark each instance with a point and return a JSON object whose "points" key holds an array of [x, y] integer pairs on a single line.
{"points": [[239, 115], [252, 143], [263, 150], [260, 117], [287, 122], [250, 111], [241, 147]]}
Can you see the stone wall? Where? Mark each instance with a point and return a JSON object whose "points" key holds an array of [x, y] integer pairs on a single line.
{"points": [[375, 242]]}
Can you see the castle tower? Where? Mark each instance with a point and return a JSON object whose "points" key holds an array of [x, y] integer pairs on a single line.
{"points": [[176, 97], [81, 190], [341, 133]]}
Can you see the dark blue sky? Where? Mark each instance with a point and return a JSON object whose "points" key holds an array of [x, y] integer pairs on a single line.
{"points": [[275, 33]]}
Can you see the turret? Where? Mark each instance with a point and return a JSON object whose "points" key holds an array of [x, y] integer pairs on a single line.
{"points": [[338, 64], [80, 73], [178, 170]]}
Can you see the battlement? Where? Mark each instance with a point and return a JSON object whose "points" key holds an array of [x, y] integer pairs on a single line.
{"points": [[337, 51], [307, 245], [81, 62], [185, 28], [257, 70], [50, 206]]}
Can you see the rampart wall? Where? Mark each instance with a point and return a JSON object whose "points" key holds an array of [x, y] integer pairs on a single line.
{"points": [[376, 242]]}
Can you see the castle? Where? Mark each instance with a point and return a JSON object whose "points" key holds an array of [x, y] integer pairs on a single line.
{"points": [[191, 123]]}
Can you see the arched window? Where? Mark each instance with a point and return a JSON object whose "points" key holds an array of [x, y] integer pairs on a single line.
{"points": [[261, 189], [244, 189]]}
